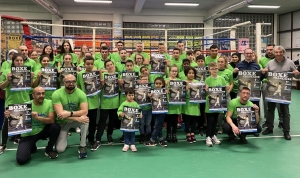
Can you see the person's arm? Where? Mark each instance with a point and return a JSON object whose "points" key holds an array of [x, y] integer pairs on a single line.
{"points": [[36, 80], [235, 129], [46, 120], [256, 111], [120, 111]]}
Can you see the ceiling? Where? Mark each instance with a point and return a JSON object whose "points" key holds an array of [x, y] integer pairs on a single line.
{"points": [[205, 5]]}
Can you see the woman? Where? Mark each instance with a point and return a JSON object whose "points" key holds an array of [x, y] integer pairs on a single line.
{"points": [[66, 48], [84, 49]]}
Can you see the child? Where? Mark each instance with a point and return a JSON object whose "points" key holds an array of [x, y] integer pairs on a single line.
{"points": [[93, 103], [185, 63], [159, 83], [129, 137], [191, 57], [214, 80], [173, 110], [190, 111]]}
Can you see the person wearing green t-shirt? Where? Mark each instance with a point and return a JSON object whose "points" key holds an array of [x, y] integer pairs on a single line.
{"points": [[230, 126], [66, 48], [186, 63], [162, 50], [190, 111], [213, 55], [214, 80], [6, 64], [108, 108], [176, 59], [93, 102], [71, 106], [16, 97], [234, 61], [191, 57], [99, 56], [28, 62], [116, 56], [139, 50], [129, 137], [182, 53], [120, 66], [43, 126], [99, 63], [173, 110]]}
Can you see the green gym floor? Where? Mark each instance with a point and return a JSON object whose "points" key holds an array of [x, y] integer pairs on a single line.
{"points": [[264, 156]]}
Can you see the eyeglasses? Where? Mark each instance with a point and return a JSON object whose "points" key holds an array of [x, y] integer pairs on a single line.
{"points": [[69, 82], [248, 53]]}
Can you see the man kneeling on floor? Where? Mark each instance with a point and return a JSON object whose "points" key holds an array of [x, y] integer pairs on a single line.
{"points": [[230, 126], [43, 126]]}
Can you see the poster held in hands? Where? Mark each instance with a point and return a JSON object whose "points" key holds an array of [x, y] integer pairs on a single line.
{"points": [[66, 71], [141, 94], [246, 119], [159, 101], [202, 73], [21, 78], [177, 92], [217, 99], [250, 79], [19, 121], [110, 88], [130, 80], [48, 78], [130, 121], [197, 92], [157, 63], [92, 83]]}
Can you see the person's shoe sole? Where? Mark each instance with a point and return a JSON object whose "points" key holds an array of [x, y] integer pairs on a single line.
{"points": [[50, 157], [95, 149]]}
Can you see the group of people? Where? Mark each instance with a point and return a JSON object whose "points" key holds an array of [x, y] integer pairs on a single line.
{"points": [[54, 113]]}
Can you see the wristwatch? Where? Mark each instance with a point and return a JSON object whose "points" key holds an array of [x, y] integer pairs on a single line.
{"points": [[71, 114]]}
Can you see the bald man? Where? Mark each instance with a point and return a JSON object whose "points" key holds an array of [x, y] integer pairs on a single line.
{"points": [[28, 62], [71, 106], [43, 126]]}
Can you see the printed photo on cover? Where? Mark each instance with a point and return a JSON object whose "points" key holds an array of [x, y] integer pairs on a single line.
{"points": [[202, 73], [159, 101], [177, 92], [21, 78], [92, 83], [141, 94], [49, 78], [110, 88], [157, 63], [19, 121], [246, 119], [197, 92], [250, 79], [217, 99], [130, 121], [130, 80], [67, 71]]}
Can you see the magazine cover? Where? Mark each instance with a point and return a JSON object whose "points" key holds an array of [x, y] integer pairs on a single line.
{"points": [[130, 80], [19, 121], [131, 120], [141, 94], [202, 73], [279, 87], [66, 71], [217, 99], [246, 119], [250, 79], [159, 101], [92, 84], [177, 92], [157, 63], [197, 92], [110, 88], [21, 78], [49, 78]]}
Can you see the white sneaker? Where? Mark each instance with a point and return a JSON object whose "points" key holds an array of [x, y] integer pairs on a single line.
{"points": [[125, 148], [216, 140], [133, 148], [208, 141], [77, 129]]}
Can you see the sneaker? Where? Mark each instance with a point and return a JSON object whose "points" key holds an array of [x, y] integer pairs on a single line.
{"points": [[280, 125], [201, 131], [121, 139], [125, 148], [243, 139], [150, 143], [110, 141], [82, 152], [220, 131], [189, 139], [69, 134], [16, 141], [133, 148], [267, 131], [169, 138], [95, 146], [90, 144], [174, 138], [51, 154], [215, 140], [287, 136], [77, 130], [208, 142], [163, 143], [2, 148], [193, 138]]}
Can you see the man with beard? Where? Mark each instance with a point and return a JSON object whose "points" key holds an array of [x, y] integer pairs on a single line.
{"points": [[71, 107], [139, 50]]}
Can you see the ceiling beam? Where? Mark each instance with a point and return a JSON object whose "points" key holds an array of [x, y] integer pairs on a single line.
{"points": [[138, 6]]}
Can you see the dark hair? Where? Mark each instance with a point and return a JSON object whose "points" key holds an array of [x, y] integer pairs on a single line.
{"points": [[161, 79], [106, 61], [129, 91], [103, 48], [271, 44], [143, 67], [189, 52], [118, 42], [62, 51], [196, 50], [43, 56], [235, 54], [88, 58], [160, 44], [186, 70], [213, 47], [180, 41], [200, 57], [129, 61], [176, 49], [139, 55], [103, 43], [14, 57], [51, 55], [246, 88], [186, 60]]}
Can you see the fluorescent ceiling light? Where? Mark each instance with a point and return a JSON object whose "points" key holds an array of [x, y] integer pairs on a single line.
{"points": [[93, 1], [263, 6], [181, 4]]}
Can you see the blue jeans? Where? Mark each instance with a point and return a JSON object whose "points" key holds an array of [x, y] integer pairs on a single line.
{"points": [[129, 138], [146, 120], [157, 132]]}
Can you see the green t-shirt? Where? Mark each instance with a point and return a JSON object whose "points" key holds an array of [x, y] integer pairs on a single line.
{"points": [[182, 75], [59, 58], [233, 104], [263, 64], [227, 74], [213, 82], [48, 93], [30, 63], [108, 103], [235, 80], [182, 56], [5, 65], [16, 97], [194, 64], [69, 102], [173, 109], [132, 104], [208, 60], [191, 109], [178, 63], [43, 111], [93, 101], [145, 55], [98, 56]]}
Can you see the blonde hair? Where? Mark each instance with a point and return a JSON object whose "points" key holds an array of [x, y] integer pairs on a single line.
{"points": [[225, 60], [82, 54], [255, 57]]}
